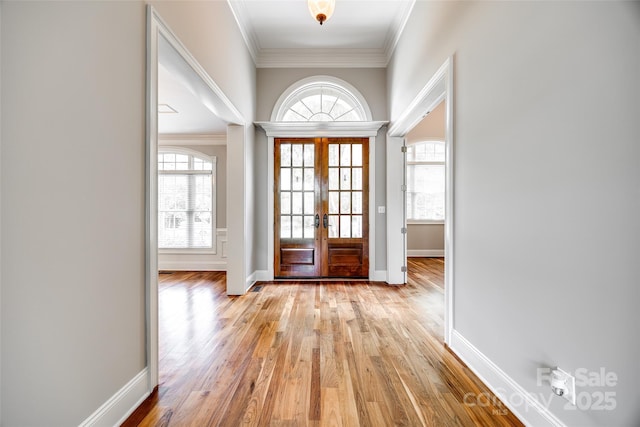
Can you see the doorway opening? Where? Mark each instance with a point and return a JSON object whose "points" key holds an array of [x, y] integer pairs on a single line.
{"points": [[436, 99], [166, 53], [425, 209]]}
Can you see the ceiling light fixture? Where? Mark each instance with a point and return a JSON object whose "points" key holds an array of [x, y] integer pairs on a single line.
{"points": [[321, 10]]}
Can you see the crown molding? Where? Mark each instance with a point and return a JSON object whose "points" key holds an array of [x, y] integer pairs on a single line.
{"points": [[321, 58], [397, 28], [238, 9]]}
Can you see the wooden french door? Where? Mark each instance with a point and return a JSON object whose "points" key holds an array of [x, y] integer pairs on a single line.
{"points": [[321, 207]]}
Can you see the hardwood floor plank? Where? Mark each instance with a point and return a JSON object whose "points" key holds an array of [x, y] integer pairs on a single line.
{"points": [[330, 408], [315, 394], [338, 353]]}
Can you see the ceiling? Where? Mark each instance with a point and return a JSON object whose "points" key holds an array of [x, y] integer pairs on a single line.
{"points": [[282, 33], [191, 116]]}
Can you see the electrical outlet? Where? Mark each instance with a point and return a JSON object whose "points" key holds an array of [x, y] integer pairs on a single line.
{"points": [[381, 209], [563, 384]]}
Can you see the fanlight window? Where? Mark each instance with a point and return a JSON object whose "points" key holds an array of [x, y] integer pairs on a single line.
{"points": [[321, 102]]}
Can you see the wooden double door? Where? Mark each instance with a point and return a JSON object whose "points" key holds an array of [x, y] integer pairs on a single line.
{"points": [[321, 207]]}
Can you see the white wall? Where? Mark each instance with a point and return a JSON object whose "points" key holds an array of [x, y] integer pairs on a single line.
{"points": [[546, 108], [271, 83], [72, 207], [425, 240]]}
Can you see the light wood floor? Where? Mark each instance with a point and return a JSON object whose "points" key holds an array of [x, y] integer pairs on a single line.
{"points": [[312, 354]]}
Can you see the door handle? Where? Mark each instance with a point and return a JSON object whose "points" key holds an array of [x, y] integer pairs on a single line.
{"points": [[325, 221], [317, 221]]}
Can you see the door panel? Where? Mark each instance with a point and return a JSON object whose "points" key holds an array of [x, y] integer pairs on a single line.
{"points": [[321, 207], [346, 197], [297, 204]]}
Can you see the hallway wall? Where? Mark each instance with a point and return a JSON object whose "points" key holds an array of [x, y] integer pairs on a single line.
{"points": [[73, 191], [546, 131], [73, 79]]}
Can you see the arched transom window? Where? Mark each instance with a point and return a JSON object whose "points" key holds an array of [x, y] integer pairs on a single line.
{"points": [[322, 101]]}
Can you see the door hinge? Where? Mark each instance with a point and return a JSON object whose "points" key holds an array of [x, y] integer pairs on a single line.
{"points": [[403, 230], [403, 188], [403, 149], [403, 268]]}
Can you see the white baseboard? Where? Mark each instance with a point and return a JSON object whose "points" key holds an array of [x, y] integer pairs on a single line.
{"points": [[529, 410], [378, 276], [257, 276], [192, 265], [118, 408], [425, 253], [261, 275]]}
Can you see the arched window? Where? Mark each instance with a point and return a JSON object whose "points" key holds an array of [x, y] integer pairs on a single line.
{"points": [[425, 181], [322, 99], [186, 200]]}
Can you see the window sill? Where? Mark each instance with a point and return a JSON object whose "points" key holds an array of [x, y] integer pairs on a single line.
{"points": [[194, 251], [425, 222]]}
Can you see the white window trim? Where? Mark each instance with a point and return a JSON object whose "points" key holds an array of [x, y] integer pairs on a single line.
{"points": [[425, 221], [214, 161]]}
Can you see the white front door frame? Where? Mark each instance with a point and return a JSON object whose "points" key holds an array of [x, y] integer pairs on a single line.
{"points": [[321, 130], [438, 88]]}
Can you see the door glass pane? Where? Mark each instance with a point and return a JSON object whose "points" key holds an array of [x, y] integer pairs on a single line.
{"points": [[285, 227], [333, 155], [333, 226], [345, 202], [345, 226], [345, 178], [296, 227], [309, 227], [285, 155], [285, 179], [309, 155], [345, 154], [297, 179], [309, 179], [296, 155], [356, 226], [356, 204], [309, 202], [334, 202], [285, 203], [334, 180], [296, 202], [356, 159], [356, 184]]}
